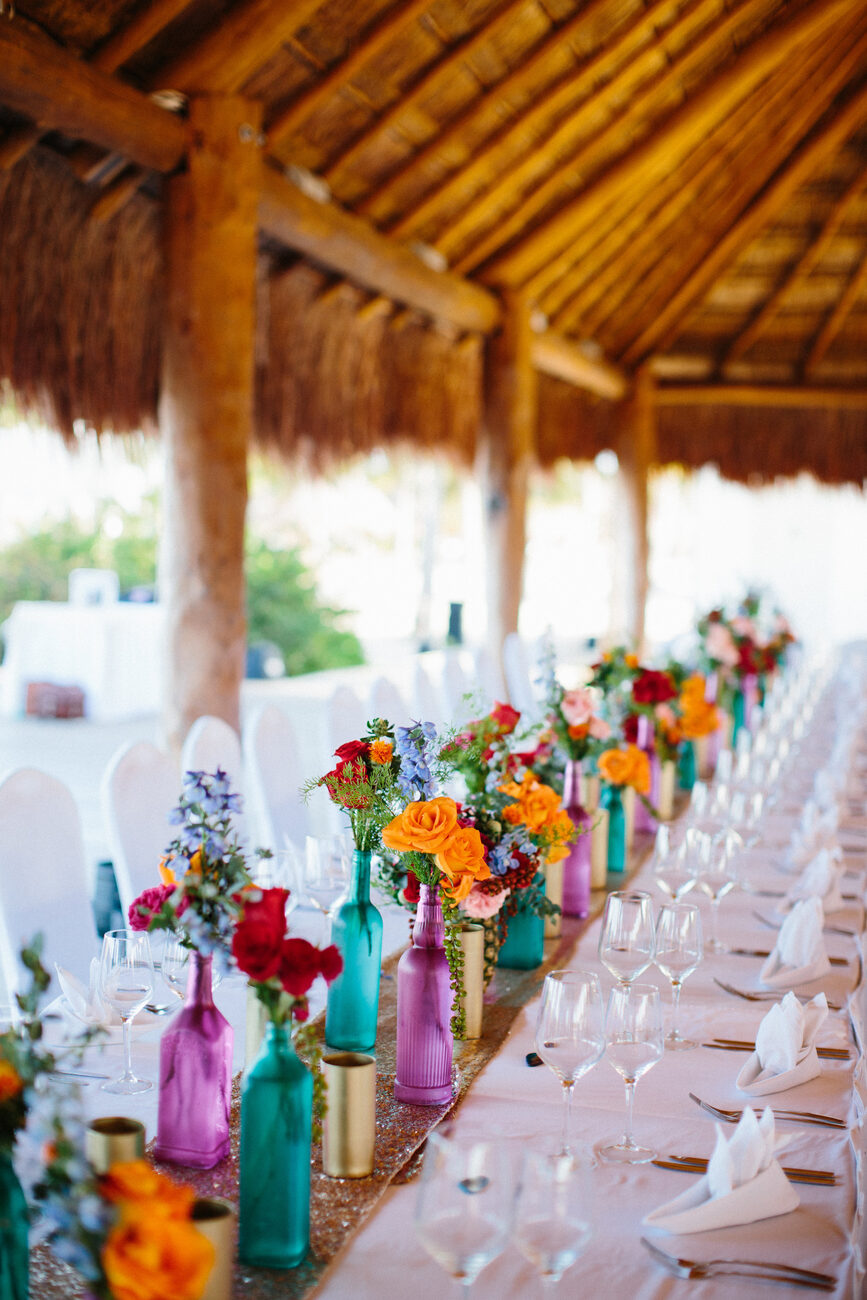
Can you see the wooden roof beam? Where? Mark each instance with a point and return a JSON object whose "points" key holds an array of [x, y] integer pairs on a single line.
{"points": [[770, 395], [557, 356], [802, 267], [832, 326], [801, 164], [658, 152]]}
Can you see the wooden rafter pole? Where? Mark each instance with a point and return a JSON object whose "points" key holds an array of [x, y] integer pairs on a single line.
{"points": [[637, 453], [553, 355], [799, 397], [206, 410], [832, 326], [802, 267], [662, 330], [659, 152], [506, 457]]}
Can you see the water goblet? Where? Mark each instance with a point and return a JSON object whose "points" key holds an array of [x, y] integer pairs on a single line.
{"points": [[669, 868], [553, 1218], [464, 1212], [678, 954], [716, 875], [633, 1044], [126, 978], [326, 871], [626, 937], [570, 1034]]}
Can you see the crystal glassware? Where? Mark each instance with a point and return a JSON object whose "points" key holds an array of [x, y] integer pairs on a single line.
{"points": [[715, 869], [670, 872], [626, 937], [678, 954], [570, 1034], [633, 1044], [553, 1220], [126, 978]]}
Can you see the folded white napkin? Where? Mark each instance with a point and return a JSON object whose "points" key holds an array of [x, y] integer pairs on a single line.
{"points": [[785, 1052], [821, 878], [817, 830], [743, 1182], [826, 787], [84, 1001], [799, 954]]}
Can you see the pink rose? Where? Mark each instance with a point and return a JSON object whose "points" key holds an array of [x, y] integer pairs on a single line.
{"points": [[599, 729], [666, 715], [577, 707], [479, 906], [720, 645], [743, 626]]}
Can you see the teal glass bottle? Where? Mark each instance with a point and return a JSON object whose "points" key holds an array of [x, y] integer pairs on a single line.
{"points": [[739, 709], [612, 799], [686, 771], [14, 1253], [524, 946], [276, 1124], [353, 998]]}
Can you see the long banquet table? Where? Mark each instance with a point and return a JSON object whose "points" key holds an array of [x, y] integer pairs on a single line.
{"points": [[520, 1106]]}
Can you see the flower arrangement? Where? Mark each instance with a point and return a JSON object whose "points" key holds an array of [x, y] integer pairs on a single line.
{"points": [[746, 644], [362, 783], [626, 765], [24, 1060], [698, 716], [575, 719]]}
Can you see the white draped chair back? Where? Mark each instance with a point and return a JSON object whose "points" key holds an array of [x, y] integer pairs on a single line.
{"points": [[140, 787], [387, 702], [489, 678], [517, 667], [426, 702], [345, 719], [212, 743], [276, 810], [455, 686], [43, 876]]}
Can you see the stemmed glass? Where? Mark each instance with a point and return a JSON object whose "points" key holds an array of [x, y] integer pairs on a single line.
{"points": [[552, 1213], [626, 937], [464, 1211], [175, 966], [570, 1034], [678, 954], [669, 868], [326, 871], [715, 868], [126, 977], [633, 1036]]}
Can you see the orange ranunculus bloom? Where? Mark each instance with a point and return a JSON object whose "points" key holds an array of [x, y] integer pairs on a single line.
{"points": [[462, 860], [167, 875], [560, 828], [536, 802], [631, 661], [148, 1257], [578, 733], [629, 766], [10, 1081], [381, 751], [423, 827], [137, 1187]]}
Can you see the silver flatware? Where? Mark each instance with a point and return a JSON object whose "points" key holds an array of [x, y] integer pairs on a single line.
{"points": [[692, 1268], [743, 1045], [156, 1010], [826, 929], [79, 1074], [761, 995], [763, 952], [698, 1165], [800, 1116]]}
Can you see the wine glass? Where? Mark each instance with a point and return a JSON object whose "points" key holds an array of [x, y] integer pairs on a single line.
{"points": [[463, 1213], [669, 868], [678, 954], [570, 1034], [175, 966], [553, 1218], [626, 937], [326, 871], [715, 867], [633, 1039], [126, 977]]}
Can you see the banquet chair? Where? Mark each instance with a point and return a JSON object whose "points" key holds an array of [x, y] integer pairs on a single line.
{"points": [[516, 665], [345, 718], [426, 702], [43, 876], [387, 702], [273, 778], [212, 743], [489, 678], [140, 787], [456, 686]]}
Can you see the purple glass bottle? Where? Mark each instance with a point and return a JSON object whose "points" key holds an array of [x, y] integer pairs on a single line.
{"points": [[424, 1006], [576, 868], [195, 1077], [644, 819]]}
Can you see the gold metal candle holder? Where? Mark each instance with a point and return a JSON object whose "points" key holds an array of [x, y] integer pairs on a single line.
{"points": [[349, 1131], [554, 894], [113, 1140], [215, 1219], [599, 849], [473, 948]]}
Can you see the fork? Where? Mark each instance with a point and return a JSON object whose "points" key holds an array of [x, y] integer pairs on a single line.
{"points": [[761, 996], [741, 1268], [826, 929], [800, 1116]]}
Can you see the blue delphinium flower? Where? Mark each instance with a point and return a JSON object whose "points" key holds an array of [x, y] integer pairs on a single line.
{"points": [[412, 745]]}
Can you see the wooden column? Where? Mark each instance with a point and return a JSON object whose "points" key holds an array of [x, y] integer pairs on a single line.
{"points": [[506, 456], [636, 452], [206, 408]]}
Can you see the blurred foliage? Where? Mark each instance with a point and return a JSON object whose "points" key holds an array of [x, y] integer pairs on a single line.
{"points": [[282, 603]]}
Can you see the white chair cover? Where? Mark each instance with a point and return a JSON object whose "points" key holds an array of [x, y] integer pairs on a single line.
{"points": [[140, 787], [43, 875], [387, 702], [455, 686], [275, 808], [427, 704], [489, 678], [516, 665], [212, 743]]}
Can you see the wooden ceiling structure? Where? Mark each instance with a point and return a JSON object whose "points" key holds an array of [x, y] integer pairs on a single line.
{"points": [[528, 228]]}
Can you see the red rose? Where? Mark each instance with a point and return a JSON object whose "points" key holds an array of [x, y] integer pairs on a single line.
{"points": [[256, 943], [630, 729], [653, 687], [330, 963], [747, 658], [148, 905], [505, 717], [352, 749], [411, 891], [299, 966]]}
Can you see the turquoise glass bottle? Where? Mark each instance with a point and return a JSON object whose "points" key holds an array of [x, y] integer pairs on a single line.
{"points": [[739, 709], [524, 947], [353, 998], [612, 799], [14, 1255], [686, 770], [276, 1124]]}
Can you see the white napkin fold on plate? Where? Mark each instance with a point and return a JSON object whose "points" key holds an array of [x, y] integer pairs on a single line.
{"points": [[820, 878], [785, 1052], [825, 788], [799, 954], [817, 830], [743, 1182], [84, 1001]]}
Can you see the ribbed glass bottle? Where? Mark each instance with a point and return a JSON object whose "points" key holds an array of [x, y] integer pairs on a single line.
{"points": [[576, 867], [612, 799], [353, 998], [424, 1009]]}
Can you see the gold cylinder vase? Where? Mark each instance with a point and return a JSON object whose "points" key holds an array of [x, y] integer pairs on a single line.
{"points": [[599, 849], [629, 797], [113, 1140], [554, 894], [473, 948], [215, 1219], [667, 781], [349, 1131]]}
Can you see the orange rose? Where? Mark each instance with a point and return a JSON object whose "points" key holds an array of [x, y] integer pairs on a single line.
{"points": [[10, 1081], [629, 766], [137, 1187], [462, 860], [631, 661], [560, 828], [537, 802], [151, 1257], [381, 752], [423, 827], [167, 875]]}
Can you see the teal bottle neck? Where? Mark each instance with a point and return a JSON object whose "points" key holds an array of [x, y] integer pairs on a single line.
{"points": [[359, 885], [276, 1037]]}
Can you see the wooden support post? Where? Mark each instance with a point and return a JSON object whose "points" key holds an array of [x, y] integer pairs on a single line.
{"points": [[636, 452], [506, 457], [206, 408]]}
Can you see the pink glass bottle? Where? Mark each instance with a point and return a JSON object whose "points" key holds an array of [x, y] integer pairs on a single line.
{"points": [[576, 867], [424, 1001], [644, 819], [195, 1077]]}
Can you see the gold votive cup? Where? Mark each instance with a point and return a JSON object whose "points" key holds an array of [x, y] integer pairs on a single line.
{"points": [[473, 948], [215, 1219], [349, 1131], [554, 894], [629, 797], [590, 786], [599, 849], [113, 1140]]}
